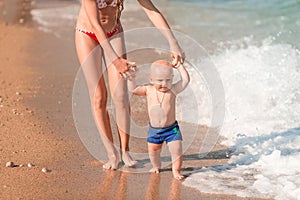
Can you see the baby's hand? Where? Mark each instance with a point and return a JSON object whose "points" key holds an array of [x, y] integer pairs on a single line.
{"points": [[178, 65], [132, 68], [131, 74], [177, 55]]}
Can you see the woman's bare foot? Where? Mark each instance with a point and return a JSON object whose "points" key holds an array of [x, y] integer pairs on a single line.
{"points": [[177, 175], [113, 163], [128, 161], [154, 170]]}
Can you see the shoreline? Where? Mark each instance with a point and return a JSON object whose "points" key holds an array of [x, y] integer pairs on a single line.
{"points": [[37, 127]]}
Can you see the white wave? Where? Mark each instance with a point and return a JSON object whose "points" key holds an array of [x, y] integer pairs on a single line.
{"points": [[261, 89], [261, 125]]}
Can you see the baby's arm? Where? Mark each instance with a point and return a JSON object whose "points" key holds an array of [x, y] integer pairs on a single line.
{"points": [[136, 89], [185, 79]]}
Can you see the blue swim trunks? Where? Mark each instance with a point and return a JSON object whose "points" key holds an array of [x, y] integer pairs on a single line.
{"points": [[168, 134]]}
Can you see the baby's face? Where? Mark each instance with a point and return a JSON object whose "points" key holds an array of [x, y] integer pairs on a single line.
{"points": [[162, 78]]}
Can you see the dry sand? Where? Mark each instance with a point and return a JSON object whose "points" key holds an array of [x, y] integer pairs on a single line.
{"points": [[37, 72]]}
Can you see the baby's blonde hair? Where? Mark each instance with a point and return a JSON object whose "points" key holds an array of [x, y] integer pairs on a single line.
{"points": [[162, 63], [159, 64]]}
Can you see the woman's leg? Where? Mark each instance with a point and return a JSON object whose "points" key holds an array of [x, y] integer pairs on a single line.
{"points": [[90, 57], [119, 93]]}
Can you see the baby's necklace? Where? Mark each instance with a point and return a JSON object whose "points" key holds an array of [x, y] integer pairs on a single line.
{"points": [[162, 99]]}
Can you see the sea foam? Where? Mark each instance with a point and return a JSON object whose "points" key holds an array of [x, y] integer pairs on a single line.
{"points": [[261, 125]]}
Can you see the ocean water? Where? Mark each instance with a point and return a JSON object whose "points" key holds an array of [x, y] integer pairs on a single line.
{"points": [[255, 48]]}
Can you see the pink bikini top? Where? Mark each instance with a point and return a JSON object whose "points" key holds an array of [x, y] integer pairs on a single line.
{"points": [[102, 4]]}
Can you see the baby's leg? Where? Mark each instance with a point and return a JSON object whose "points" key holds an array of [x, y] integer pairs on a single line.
{"points": [[175, 148], [154, 154]]}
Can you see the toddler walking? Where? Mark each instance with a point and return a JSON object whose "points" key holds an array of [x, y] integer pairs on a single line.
{"points": [[161, 99]]}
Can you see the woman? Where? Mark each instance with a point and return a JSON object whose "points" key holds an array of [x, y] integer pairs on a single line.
{"points": [[99, 23]]}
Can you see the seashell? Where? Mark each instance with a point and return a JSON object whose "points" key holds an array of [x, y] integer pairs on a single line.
{"points": [[10, 164], [45, 170], [30, 165]]}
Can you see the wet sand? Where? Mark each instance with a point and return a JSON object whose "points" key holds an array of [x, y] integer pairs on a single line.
{"points": [[36, 126]]}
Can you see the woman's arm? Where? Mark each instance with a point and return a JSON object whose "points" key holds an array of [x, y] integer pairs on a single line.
{"points": [[160, 22], [92, 13]]}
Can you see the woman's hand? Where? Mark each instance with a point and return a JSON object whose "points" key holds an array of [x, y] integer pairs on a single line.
{"points": [[177, 54], [125, 67]]}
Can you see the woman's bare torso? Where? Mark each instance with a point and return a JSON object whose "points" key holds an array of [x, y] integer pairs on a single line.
{"points": [[107, 18]]}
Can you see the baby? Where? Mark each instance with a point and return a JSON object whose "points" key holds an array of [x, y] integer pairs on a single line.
{"points": [[161, 96]]}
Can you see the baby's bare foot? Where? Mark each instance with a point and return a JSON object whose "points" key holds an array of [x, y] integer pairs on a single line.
{"points": [[112, 163], [128, 161], [154, 170]]}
